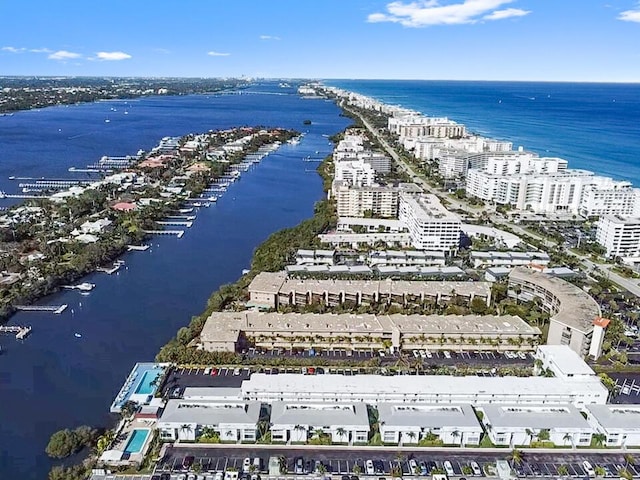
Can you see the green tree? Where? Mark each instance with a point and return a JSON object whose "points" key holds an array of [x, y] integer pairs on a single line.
{"points": [[516, 456]]}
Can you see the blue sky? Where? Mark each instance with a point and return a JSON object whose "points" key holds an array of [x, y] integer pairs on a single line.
{"points": [[568, 40]]}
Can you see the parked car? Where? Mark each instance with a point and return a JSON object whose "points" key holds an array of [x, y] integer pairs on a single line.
{"points": [[368, 466], [236, 371], [207, 371], [246, 465], [188, 461], [257, 464], [448, 468], [218, 476], [475, 468], [588, 468], [423, 468], [446, 354], [413, 466], [298, 465]]}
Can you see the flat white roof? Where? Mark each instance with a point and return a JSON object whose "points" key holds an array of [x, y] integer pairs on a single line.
{"points": [[207, 412], [616, 416], [427, 415], [418, 384], [565, 360], [308, 413], [534, 416]]}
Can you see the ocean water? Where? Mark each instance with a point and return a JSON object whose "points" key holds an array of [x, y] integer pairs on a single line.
{"points": [[594, 126], [55, 380]]}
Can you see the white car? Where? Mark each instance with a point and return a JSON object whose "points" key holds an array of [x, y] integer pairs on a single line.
{"points": [[246, 465], [236, 372], [522, 355], [369, 467], [588, 468], [428, 353], [423, 354], [413, 465], [446, 354], [448, 468], [218, 476], [476, 469], [416, 354]]}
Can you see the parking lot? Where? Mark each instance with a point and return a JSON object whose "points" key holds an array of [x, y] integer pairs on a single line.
{"points": [[428, 357], [412, 462]]}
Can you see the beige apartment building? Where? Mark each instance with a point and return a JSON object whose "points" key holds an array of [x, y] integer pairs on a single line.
{"points": [[273, 289], [230, 331]]}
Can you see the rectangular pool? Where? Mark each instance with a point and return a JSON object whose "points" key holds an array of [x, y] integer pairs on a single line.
{"points": [[145, 387], [136, 440]]}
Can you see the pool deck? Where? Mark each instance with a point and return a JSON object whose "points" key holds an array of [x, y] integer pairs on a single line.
{"points": [[116, 454], [132, 384]]}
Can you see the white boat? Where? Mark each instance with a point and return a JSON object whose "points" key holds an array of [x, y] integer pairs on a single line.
{"points": [[107, 120], [77, 335]]}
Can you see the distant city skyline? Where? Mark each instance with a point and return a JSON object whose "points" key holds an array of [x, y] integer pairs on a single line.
{"points": [[562, 40]]}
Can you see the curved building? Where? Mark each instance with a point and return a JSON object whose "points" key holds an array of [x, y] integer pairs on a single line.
{"points": [[575, 316]]}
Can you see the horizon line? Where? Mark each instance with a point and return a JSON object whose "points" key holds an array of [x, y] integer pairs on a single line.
{"points": [[321, 79]]}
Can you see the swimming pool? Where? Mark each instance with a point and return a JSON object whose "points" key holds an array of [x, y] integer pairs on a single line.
{"points": [[136, 440], [145, 387]]}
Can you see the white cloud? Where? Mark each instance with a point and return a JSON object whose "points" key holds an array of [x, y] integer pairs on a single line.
{"points": [[422, 13], [269, 37], [112, 56], [13, 49], [630, 15], [40, 50], [506, 13], [63, 55], [218, 54]]}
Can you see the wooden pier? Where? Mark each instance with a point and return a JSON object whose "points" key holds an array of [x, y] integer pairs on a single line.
{"points": [[57, 309]]}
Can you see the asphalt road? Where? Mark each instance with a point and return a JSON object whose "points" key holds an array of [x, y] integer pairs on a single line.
{"points": [[341, 460]]}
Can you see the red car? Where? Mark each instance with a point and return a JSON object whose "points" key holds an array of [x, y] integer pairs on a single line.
{"points": [[214, 371]]}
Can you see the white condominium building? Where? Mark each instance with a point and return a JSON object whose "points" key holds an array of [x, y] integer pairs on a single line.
{"points": [[354, 174], [430, 225], [374, 200], [610, 197], [420, 126], [619, 235]]}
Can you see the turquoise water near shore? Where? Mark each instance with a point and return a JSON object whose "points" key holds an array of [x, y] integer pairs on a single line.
{"points": [[595, 126]]}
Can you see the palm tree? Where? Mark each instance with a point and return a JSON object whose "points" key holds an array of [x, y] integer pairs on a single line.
{"points": [[282, 461], [599, 439], [298, 428], [567, 438], [628, 460], [185, 427], [341, 432], [516, 457], [530, 433], [455, 434], [357, 469], [412, 436], [563, 470]]}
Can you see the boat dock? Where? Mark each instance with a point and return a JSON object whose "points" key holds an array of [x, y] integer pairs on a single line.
{"points": [[181, 217], [109, 271], [21, 332], [179, 233], [90, 170], [23, 197], [137, 248], [84, 287], [175, 223], [57, 309]]}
